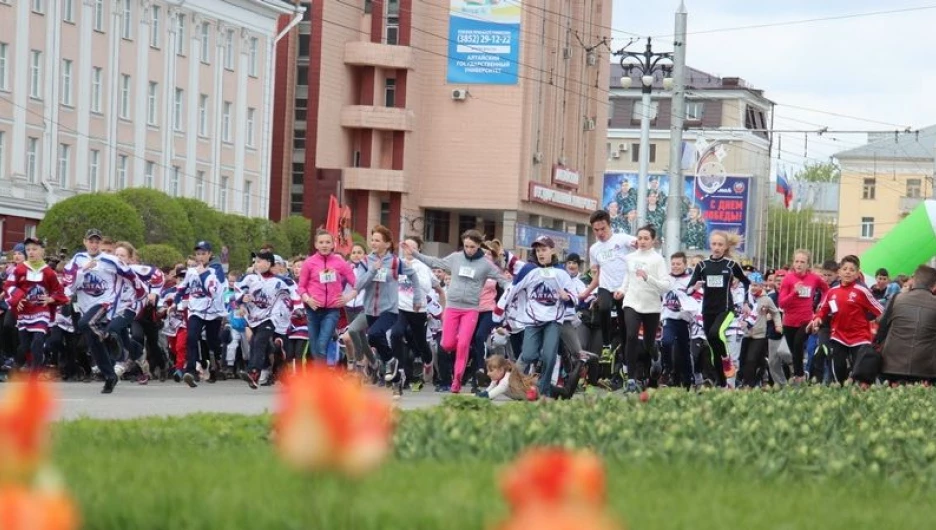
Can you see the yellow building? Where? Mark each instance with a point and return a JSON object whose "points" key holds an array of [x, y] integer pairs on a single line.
{"points": [[881, 183]]}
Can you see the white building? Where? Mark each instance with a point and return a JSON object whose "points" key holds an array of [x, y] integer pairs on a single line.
{"points": [[100, 95]]}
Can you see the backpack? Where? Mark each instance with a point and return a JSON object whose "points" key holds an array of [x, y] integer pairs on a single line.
{"points": [[867, 365]]}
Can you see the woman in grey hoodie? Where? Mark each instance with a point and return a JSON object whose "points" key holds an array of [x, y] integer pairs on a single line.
{"points": [[470, 269], [381, 303]]}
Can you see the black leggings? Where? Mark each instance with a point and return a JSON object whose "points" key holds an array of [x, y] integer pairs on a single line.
{"points": [[715, 326], [192, 344], [34, 343], [261, 344], [796, 340], [606, 302], [410, 327], [639, 355], [754, 360], [842, 358]]}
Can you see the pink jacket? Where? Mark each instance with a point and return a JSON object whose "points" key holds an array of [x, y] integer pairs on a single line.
{"points": [[324, 279]]}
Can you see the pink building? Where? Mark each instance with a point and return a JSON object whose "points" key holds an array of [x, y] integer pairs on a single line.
{"points": [[429, 118], [100, 95]]}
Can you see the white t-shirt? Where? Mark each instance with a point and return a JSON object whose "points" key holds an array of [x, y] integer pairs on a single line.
{"points": [[424, 273], [610, 257]]}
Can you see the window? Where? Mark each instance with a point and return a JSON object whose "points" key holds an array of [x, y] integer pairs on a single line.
{"points": [[32, 151], [437, 226], [299, 139], [96, 75], [385, 213], [695, 110], [203, 115], [64, 158], [253, 51], [66, 86], [98, 15], [393, 29], [305, 41], [177, 109], [126, 27], [247, 192], [125, 96], [4, 76], [154, 27], [223, 194], [94, 165], [152, 108], [301, 109], [867, 228], [638, 112], [149, 176], [302, 75], [226, 122], [35, 74], [205, 42], [180, 34], [296, 202], [229, 49], [30, 230], [868, 189], [390, 93], [635, 153], [914, 188], [38, 7], [121, 172], [298, 174], [200, 185], [250, 126], [2, 154], [173, 188], [68, 10]]}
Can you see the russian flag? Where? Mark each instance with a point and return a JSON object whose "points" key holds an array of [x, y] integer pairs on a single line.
{"points": [[783, 188]]}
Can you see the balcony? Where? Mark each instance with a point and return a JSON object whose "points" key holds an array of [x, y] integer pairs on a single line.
{"points": [[361, 53], [364, 178], [379, 118], [907, 204]]}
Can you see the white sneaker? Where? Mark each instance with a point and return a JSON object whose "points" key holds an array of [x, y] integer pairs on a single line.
{"points": [[119, 369], [264, 376]]}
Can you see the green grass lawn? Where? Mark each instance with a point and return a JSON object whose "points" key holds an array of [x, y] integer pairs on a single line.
{"points": [[219, 472]]}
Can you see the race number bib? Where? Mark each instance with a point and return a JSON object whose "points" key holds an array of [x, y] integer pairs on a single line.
{"points": [[548, 273], [330, 277], [381, 276], [466, 272], [804, 291], [833, 307], [606, 255], [715, 281]]}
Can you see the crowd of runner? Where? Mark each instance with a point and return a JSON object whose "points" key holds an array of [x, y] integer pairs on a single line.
{"points": [[481, 317]]}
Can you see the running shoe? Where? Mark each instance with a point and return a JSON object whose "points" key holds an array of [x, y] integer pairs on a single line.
{"points": [[251, 378], [189, 379], [391, 369]]}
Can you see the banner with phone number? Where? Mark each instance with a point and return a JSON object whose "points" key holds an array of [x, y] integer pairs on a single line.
{"points": [[484, 41]]}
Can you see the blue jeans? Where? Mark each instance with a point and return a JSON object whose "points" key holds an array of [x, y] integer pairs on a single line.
{"points": [[377, 328], [482, 332], [322, 324], [676, 351], [119, 328], [542, 343]]}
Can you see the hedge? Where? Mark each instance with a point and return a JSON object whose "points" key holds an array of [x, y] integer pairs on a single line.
{"points": [[164, 220], [66, 222]]}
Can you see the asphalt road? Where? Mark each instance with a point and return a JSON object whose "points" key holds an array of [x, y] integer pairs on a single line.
{"points": [[130, 400]]}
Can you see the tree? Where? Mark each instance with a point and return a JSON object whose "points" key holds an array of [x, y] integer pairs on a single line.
{"points": [[820, 172], [65, 223], [164, 220], [298, 229], [266, 232], [234, 232], [789, 230], [205, 220], [160, 255]]}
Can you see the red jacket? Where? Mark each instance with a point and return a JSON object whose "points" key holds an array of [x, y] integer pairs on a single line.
{"points": [[849, 305], [28, 285], [798, 306]]}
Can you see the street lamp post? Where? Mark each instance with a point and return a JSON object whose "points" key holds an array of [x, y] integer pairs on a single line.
{"points": [[647, 64]]}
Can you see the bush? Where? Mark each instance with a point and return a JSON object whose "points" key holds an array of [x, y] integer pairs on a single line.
{"points": [[299, 232], [235, 233], [164, 220], [65, 223], [205, 220], [265, 231], [160, 255]]}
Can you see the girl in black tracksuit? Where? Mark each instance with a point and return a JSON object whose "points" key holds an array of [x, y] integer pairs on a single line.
{"points": [[714, 275]]}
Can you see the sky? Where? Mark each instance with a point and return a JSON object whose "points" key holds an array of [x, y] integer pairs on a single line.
{"points": [[878, 68]]}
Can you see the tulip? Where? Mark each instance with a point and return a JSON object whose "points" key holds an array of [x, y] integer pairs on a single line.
{"points": [[554, 476], [327, 423], [560, 518], [24, 509], [25, 412]]}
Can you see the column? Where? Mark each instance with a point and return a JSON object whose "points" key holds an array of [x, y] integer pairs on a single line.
{"points": [[265, 141], [239, 120], [20, 90], [218, 106], [141, 102], [48, 161], [84, 96], [194, 93], [509, 237], [113, 96], [169, 82]]}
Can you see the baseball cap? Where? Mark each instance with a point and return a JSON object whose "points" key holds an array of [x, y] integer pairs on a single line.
{"points": [[266, 256], [756, 277], [279, 260], [92, 233], [545, 241], [574, 257], [33, 241], [203, 245]]}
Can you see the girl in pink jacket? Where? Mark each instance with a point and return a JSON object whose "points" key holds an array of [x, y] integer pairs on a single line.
{"points": [[322, 282]]}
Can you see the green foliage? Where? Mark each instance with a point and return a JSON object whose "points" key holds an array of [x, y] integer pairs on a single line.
{"points": [[266, 232], [788, 230], [359, 239], [205, 220], [160, 255], [235, 233], [820, 172], [65, 223], [299, 231], [164, 220]]}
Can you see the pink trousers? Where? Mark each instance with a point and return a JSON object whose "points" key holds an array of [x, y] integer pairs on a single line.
{"points": [[458, 327]]}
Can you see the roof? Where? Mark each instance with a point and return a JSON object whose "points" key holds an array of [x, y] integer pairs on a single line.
{"points": [[909, 145], [695, 80]]}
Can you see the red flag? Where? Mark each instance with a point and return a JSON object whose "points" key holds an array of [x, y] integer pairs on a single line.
{"points": [[334, 213], [343, 244]]}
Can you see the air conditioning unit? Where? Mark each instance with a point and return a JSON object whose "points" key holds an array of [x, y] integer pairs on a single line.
{"points": [[591, 59], [615, 155], [567, 53], [589, 124], [622, 147], [460, 94], [537, 158]]}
